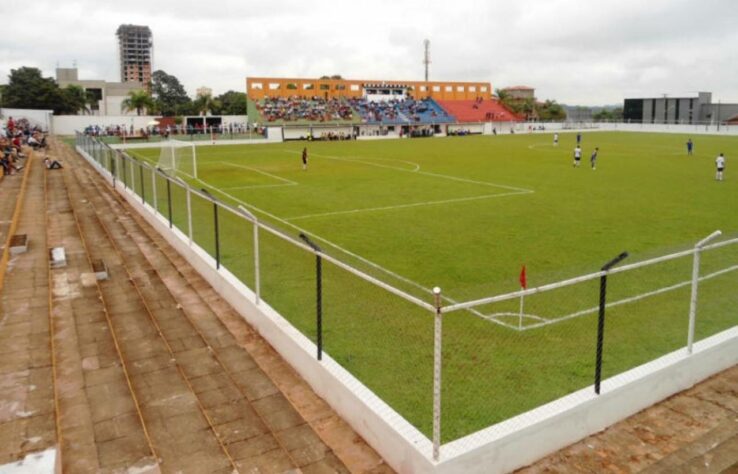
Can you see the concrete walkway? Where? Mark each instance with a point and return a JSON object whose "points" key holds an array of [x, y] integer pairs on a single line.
{"points": [[148, 369], [695, 431]]}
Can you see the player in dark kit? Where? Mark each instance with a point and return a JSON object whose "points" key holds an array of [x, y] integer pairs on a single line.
{"points": [[593, 159], [305, 158], [579, 138], [690, 147]]}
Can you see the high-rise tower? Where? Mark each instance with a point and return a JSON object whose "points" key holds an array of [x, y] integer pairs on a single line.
{"points": [[135, 47]]}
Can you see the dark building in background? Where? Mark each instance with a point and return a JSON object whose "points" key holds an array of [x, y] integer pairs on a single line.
{"points": [[136, 51], [678, 110]]}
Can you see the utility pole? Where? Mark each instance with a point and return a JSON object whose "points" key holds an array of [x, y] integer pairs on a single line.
{"points": [[426, 57]]}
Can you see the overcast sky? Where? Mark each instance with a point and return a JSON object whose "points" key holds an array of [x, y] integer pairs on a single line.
{"points": [[574, 51]]}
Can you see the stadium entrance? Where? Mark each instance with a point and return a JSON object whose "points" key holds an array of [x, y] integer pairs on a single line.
{"points": [[386, 92]]}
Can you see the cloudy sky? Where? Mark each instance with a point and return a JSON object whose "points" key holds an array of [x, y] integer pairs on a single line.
{"points": [[574, 51]]}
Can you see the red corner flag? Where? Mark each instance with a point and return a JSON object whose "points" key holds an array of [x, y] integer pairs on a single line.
{"points": [[523, 280]]}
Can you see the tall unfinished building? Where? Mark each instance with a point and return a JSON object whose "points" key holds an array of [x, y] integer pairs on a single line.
{"points": [[135, 45]]}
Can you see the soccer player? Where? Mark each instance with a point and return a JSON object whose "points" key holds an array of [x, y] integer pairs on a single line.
{"points": [[305, 158], [593, 159], [690, 147], [556, 139], [579, 138], [720, 164], [577, 156]]}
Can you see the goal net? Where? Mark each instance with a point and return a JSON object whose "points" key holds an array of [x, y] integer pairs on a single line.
{"points": [[178, 157]]}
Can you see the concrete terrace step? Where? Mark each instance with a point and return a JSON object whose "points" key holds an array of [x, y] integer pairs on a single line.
{"points": [[27, 412], [207, 339], [100, 424], [216, 316]]}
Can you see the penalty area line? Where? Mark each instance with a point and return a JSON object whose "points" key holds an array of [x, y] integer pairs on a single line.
{"points": [[404, 206]]}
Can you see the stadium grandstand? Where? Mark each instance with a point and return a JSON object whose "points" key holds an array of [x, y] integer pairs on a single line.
{"points": [[295, 100]]}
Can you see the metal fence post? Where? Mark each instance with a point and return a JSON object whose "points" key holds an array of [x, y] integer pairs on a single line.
{"points": [[169, 201], [318, 294], [215, 225], [113, 165], [437, 360], [123, 173], [155, 201], [141, 181], [695, 282], [188, 195], [257, 272], [601, 319]]}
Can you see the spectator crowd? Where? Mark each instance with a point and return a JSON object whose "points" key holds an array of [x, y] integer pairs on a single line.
{"points": [[313, 109], [15, 135]]}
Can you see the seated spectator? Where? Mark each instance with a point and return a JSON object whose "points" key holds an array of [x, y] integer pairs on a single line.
{"points": [[51, 164], [37, 141]]}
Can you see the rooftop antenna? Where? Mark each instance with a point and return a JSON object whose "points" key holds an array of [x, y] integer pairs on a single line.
{"points": [[426, 57]]}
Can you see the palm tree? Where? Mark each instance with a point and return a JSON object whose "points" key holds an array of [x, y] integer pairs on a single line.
{"points": [[206, 103], [137, 100], [76, 98]]}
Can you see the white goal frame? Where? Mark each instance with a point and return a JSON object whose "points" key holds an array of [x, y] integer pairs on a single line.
{"points": [[171, 146]]}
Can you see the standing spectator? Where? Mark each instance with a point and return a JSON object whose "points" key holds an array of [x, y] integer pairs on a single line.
{"points": [[305, 159]]}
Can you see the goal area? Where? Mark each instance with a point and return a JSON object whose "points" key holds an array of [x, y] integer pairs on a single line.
{"points": [[178, 157]]}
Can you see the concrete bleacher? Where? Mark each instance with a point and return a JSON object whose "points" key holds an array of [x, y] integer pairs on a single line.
{"points": [[425, 111], [479, 111], [401, 112]]}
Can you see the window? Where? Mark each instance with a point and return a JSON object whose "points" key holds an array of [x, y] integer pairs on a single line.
{"points": [[257, 85], [340, 87], [483, 88], [354, 87], [449, 88], [308, 87], [273, 86], [459, 88], [472, 88], [291, 86], [436, 88], [325, 87], [423, 88]]}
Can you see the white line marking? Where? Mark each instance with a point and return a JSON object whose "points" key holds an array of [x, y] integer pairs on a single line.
{"points": [[278, 178], [631, 299], [252, 186], [348, 252], [402, 206], [427, 173], [416, 166]]}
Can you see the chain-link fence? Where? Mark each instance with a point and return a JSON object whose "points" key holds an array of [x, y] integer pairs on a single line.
{"points": [[452, 369]]}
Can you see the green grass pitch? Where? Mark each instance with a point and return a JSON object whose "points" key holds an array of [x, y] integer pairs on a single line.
{"points": [[465, 213]]}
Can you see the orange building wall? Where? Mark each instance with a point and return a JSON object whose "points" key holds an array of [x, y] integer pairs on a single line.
{"points": [[331, 88]]}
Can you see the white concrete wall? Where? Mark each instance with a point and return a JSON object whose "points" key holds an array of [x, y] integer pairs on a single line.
{"points": [[69, 124], [500, 448], [41, 118]]}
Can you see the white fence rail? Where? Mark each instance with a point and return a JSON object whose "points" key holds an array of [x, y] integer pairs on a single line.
{"points": [[156, 190]]}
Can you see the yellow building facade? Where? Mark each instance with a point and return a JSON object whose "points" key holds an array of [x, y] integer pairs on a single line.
{"points": [[258, 88]]}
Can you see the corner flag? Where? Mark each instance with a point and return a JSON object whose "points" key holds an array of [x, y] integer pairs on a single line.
{"points": [[523, 280]]}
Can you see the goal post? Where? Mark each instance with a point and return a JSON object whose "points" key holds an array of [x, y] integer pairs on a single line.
{"points": [[178, 157]]}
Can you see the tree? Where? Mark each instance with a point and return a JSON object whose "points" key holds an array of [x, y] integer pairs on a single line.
{"points": [[76, 98], [170, 94], [550, 110], [608, 114], [206, 103], [28, 89], [137, 100], [232, 103]]}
